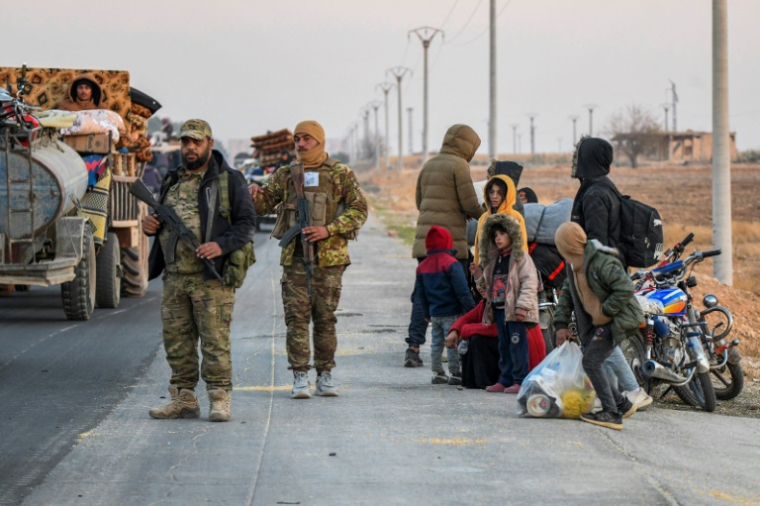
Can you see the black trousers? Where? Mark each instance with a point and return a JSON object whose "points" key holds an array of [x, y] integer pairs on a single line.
{"points": [[597, 347], [480, 365]]}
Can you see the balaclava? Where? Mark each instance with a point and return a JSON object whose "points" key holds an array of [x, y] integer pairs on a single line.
{"points": [[315, 156]]}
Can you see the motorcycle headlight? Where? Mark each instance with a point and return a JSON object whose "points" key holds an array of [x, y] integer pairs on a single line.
{"points": [[710, 300]]}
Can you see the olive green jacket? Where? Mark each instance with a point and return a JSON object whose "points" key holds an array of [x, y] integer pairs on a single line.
{"points": [[611, 283]]}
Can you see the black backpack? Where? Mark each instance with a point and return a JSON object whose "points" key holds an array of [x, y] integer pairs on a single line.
{"points": [[641, 240], [549, 263]]}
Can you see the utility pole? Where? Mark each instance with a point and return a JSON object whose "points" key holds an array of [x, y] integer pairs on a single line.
{"points": [[426, 34], [386, 87], [514, 137], [399, 73], [574, 119], [352, 136], [365, 144], [559, 144], [673, 88], [411, 133], [375, 104], [532, 115], [492, 119], [519, 143], [666, 107], [723, 269], [590, 108]]}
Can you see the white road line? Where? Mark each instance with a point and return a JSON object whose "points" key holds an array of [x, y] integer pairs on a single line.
{"points": [[252, 490]]}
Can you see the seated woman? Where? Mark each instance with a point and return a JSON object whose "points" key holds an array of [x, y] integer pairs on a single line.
{"points": [[480, 365], [84, 94]]}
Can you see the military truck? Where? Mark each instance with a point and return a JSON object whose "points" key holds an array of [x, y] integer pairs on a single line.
{"points": [[56, 228]]}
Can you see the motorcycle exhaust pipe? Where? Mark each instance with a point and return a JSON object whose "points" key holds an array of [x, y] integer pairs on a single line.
{"points": [[655, 370], [697, 353]]}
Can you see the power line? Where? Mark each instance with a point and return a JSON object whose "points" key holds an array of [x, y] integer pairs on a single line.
{"points": [[467, 23], [450, 12], [486, 29]]}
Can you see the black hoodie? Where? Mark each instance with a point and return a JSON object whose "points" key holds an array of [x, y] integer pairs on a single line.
{"points": [[230, 237], [597, 204]]}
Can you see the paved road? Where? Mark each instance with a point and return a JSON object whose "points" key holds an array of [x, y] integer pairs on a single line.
{"points": [[390, 438]]}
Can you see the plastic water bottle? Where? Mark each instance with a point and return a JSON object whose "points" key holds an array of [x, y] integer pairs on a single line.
{"points": [[463, 346]]}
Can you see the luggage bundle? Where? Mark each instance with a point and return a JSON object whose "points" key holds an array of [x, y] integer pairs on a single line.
{"points": [[541, 223]]}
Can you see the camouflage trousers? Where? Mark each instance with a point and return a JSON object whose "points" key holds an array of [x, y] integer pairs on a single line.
{"points": [[299, 311], [195, 309]]}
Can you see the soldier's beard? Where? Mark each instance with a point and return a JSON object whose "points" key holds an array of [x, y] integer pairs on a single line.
{"points": [[199, 162]]}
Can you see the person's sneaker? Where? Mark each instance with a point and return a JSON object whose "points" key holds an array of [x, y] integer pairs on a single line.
{"points": [[640, 398], [440, 378], [455, 379], [412, 358], [627, 408], [513, 389], [498, 387], [301, 385], [604, 419], [183, 404], [220, 409], [325, 386]]}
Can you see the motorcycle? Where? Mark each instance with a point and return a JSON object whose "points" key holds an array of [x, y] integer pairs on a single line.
{"points": [[676, 348], [725, 359]]}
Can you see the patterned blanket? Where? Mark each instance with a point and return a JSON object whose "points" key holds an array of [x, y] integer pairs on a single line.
{"points": [[50, 87]]}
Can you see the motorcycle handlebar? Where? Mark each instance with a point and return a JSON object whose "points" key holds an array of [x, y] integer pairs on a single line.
{"points": [[686, 241], [711, 253]]}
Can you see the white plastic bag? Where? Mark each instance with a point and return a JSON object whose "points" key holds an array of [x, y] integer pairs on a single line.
{"points": [[557, 387]]}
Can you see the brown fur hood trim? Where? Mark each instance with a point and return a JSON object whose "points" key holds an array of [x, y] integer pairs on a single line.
{"points": [[486, 244]]}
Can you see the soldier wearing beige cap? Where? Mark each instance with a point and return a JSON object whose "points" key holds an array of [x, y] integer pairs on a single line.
{"points": [[196, 306]]}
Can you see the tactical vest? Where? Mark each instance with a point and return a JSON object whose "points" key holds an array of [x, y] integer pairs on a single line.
{"points": [[322, 205]]}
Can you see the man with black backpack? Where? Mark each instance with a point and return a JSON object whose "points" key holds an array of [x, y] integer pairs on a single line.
{"points": [[597, 209]]}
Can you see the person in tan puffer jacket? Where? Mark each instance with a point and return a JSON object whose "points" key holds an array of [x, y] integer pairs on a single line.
{"points": [[445, 197], [84, 94], [445, 194]]}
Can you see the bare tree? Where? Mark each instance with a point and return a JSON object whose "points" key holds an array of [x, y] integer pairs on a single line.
{"points": [[635, 131]]}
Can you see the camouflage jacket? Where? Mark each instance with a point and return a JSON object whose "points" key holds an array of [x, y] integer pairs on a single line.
{"points": [[344, 188]]}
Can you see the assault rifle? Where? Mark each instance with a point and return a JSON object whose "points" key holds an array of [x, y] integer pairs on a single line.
{"points": [[303, 220], [177, 229]]}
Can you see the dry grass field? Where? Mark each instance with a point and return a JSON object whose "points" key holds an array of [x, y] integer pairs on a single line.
{"points": [[681, 194]]}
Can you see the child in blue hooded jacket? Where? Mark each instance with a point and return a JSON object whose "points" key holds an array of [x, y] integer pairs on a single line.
{"points": [[442, 291]]}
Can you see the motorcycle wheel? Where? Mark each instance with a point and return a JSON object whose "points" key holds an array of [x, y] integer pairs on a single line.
{"points": [[727, 381], [635, 355], [699, 392]]}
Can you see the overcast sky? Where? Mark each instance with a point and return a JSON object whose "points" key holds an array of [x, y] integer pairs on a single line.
{"points": [[252, 65]]}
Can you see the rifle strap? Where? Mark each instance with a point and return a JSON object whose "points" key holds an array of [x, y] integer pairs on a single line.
{"points": [[212, 192], [297, 173]]}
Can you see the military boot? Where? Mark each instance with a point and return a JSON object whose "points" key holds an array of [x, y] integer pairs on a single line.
{"points": [[184, 404], [220, 410]]}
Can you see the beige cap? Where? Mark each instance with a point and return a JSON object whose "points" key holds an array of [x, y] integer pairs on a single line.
{"points": [[195, 129]]}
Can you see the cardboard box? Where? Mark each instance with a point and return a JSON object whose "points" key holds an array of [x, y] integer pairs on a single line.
{"points": [[93, 143]]}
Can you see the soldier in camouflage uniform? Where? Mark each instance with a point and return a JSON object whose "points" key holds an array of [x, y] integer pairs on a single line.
{"points": [[196, 305], [338, 209]]}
